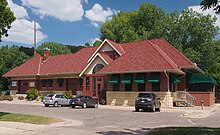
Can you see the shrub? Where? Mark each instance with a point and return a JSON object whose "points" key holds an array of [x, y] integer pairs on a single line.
{"points": [[20, 97], [32, 94], [68, 94], [6, 97]]}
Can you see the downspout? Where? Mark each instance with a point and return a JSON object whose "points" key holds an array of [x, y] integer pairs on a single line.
{"points": [[168, 88]]}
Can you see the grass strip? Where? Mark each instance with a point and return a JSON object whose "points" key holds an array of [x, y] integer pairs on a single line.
{"points": [[185, 131], [32, 119]]}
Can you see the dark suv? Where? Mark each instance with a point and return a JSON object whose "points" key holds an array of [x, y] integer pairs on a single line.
{"points": [[146, 101]]}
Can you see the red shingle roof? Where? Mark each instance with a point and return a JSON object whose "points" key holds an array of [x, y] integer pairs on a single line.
{"points": [[106, 57], [147, 55], [117, 46], [30, 67], [141, 56], [173, 53]]}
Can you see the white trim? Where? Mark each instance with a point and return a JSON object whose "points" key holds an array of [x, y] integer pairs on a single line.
{"points": [[91, 63], [38, 72], [101, 47]]}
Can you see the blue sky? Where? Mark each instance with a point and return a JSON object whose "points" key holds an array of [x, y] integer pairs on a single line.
{"points": [[74, 22]]}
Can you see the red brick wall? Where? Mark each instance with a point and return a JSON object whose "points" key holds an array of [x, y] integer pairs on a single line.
{"points": [[148, 85], [208, 98], [163, 82], [182, 85]]}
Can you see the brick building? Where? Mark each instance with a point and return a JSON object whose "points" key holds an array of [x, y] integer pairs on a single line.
{"points": [[117, 72]]}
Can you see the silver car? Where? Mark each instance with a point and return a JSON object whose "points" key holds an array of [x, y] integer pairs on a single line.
{"points": [[55, 100]]}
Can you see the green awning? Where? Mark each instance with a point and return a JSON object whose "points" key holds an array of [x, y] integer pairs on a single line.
{"points": [[154, 78], [199, 78], [140, 78], [126, 78], [114, 79], [174, 79]]}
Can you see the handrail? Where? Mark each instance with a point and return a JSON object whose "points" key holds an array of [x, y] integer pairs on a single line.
{"points": [[183, 96]]}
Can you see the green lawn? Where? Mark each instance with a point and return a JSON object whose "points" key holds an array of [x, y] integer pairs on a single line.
{"points": [[185, 131], [33, 119]]}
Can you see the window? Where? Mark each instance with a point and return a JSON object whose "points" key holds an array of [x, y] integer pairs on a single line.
{"points": [[116, 87], [155, 86], [50, 83], [60, 82], [14, 83], [128, 87], [44, 83], [97, 68], [87, 83], [32, 84], [141, 86], [200, 87]]}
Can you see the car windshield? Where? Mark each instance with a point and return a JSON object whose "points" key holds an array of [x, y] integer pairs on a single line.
{"points": [[50, 95], [79, 97], [144, 95]]}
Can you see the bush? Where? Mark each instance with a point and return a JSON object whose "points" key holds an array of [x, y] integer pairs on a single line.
{"points": [[68, 94], [6, 97], [32, 94], [20, 97]]}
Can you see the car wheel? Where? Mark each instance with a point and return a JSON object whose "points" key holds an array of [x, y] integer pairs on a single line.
{"points": [[84, 105], [55, 104], [46, 105], [73, 106], [96, 105], [136, 109], [158, 109], [153, 108]]}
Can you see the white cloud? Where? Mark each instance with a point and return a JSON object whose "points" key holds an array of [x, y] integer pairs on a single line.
{"points": [[22, 29], [19, 11], [95, 24], [92, 40], [206, 12], [22, 32], [64, 10], [98, 15]]}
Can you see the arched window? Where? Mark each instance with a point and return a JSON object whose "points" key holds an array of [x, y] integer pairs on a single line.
{"points": [[97, 68]]}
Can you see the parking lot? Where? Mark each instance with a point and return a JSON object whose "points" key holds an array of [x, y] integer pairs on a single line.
{"points": [[109, 120]]}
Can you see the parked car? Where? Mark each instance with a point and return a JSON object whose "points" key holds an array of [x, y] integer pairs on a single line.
{"points": [[55, 100], [84, 102], [146, 101]]}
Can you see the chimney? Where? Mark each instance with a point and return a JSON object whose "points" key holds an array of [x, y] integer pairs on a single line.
{"points": [[46, 53]]}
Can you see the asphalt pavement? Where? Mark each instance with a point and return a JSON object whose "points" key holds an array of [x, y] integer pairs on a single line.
{"points": [[106, 120]]}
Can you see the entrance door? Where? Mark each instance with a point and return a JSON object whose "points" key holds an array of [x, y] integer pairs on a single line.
{"points": [[99, 85]]}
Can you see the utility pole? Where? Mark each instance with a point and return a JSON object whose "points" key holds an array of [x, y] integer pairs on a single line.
{"points": [[35, 35]]}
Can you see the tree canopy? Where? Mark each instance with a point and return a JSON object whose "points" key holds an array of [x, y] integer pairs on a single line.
{"points": [[6, 18], [207, 4], [55, 48], [10, 57]]}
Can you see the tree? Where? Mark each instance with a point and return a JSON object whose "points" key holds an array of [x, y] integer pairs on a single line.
{"points": [[10, 57], [187, 31], [97, 43], [207, 4], [28, 51], [55, 48], [75, 49], [87, 44], [6, 18]]}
